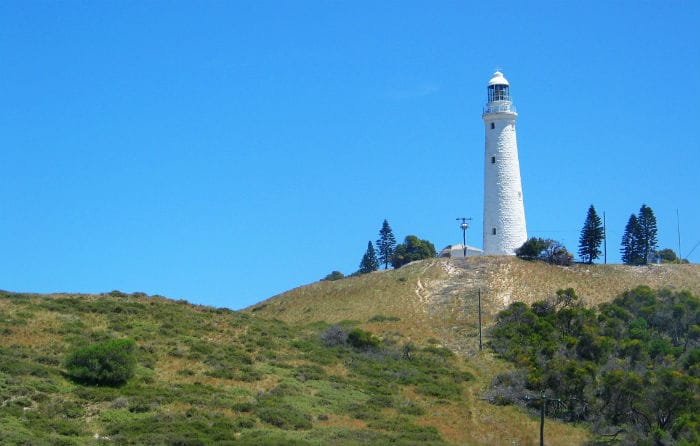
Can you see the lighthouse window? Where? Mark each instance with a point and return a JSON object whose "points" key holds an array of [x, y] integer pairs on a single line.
{"points": [[493, 160], [493, 231], [493, 126]]}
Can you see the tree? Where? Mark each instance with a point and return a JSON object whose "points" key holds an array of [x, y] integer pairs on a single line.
{"points": [[668, 255], [548, 250], [630, 243], [369, 261], [386, 244], [532, 249], [334, 275], [592, 236], [639, 240], [557, 254], [412, 249], [647, 232]]}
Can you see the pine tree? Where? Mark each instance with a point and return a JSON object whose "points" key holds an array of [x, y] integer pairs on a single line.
{"points": [[639, 241], [369, 261], [386, 244], [592, 236], [647, 233], [631, 254]]}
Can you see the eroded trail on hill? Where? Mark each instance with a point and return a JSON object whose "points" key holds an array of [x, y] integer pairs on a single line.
{"points": [[450, 301]]}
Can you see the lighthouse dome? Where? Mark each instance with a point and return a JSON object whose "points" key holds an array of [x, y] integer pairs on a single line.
{"points": [[498, 79]]}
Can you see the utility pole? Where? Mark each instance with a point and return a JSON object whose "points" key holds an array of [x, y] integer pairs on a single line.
{"points": [[543, 398], [464, 227], [605, 241], [678, 224], [480, 345]]}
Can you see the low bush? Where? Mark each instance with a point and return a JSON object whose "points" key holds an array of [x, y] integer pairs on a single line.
{"points": [[284, 416], [363, 339], [109, 363], [334, 336], [382, 318]]}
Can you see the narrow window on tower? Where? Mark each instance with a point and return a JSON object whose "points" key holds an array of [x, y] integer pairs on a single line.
{"points": [[493, 125], [493, 231], [493, 160]]}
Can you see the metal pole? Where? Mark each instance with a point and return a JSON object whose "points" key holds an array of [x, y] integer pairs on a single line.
{"points": [[544, 401], [464, 227], [464, 240], [480, 345], [605, 240], [678, 221]]}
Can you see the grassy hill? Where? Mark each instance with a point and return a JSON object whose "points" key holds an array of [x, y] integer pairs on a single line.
{"points": [[275, 373], [438, 298]]}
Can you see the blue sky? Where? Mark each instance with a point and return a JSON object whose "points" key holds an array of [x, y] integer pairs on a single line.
{"points": [[224, 152]]}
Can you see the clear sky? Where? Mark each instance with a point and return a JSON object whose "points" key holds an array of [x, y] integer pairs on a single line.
{"points": [[226, 151]]}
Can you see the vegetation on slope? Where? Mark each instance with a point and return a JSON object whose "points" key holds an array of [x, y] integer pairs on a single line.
{"points": [[438, 299], [212, 376], [631, 368]]}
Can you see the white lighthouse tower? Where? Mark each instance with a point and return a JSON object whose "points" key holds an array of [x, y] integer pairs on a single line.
{"points": [[504, 212]]}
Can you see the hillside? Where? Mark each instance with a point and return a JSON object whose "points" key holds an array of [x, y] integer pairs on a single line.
{"points": [[212, 376], [281, 373], [438, 298]]}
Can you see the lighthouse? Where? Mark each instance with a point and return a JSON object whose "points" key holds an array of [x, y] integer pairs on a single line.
{"points": [[504, 211]]}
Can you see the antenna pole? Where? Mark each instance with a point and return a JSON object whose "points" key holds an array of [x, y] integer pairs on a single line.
{"points": [[480, 345], [605, 241], [678, 221], [464, 227], [543, 398], [542, 407]]}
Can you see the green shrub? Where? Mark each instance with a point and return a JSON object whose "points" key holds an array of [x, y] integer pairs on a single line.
{"points": [[363, 339], [306, 372], [284, 416], [108, 363]]}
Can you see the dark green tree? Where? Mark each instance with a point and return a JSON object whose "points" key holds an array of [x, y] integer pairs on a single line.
{"points": [[667, 255], [386, 244], [412, 249], [532, 249], [592, 236], [548, 250], [369, 261], [631, 252], [647, 232], [639, 240], [334, 275]]}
